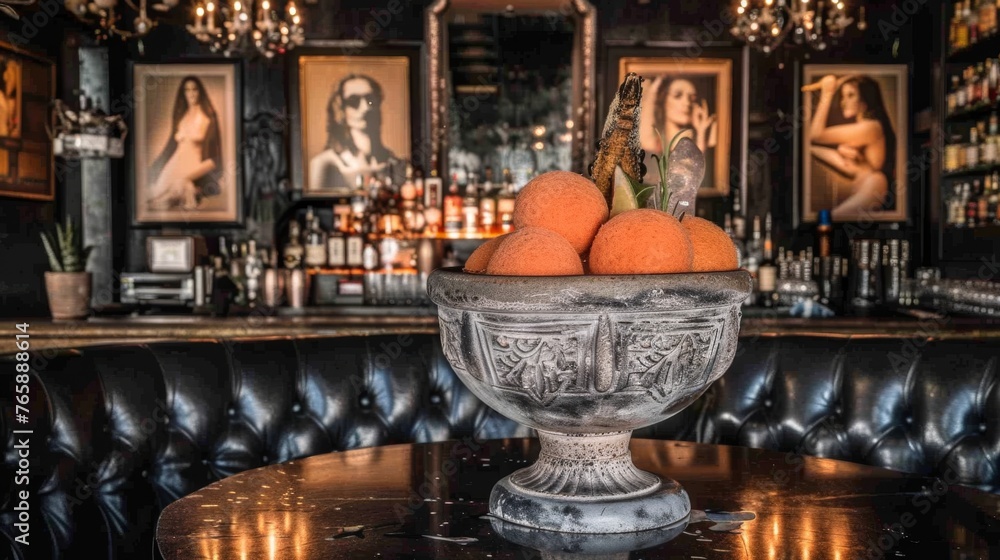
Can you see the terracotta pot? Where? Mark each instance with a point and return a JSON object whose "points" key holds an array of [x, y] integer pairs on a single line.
{"points": [[69, 294]]}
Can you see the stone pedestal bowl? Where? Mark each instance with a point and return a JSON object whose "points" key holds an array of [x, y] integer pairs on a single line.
{"points": [[584, 360]]}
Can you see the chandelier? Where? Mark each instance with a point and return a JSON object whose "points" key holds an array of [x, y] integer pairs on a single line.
{"points": [[240, 28], [106, 16], [765, 24]]}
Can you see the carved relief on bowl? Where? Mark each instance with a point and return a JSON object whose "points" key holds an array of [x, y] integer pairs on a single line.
{"points": [[543, 357]]}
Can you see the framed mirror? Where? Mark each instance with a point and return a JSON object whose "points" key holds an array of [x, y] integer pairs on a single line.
{"points": [[511, 86]]}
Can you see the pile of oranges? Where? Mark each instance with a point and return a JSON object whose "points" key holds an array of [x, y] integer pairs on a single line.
{"points": [[562, 228]]}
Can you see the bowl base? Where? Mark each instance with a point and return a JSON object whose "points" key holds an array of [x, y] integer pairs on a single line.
{"points": [[586, 483], [666, 506], [577, 546]]}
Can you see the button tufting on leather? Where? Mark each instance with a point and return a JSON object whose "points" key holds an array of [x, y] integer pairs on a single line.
{"points": [[232, 411], [204, 461], [982, 427], [296, 407], [767, 403], [264, 458], [838, 410], [435, 398], [145, 474], [909, 419], [365, 401], [166, 419]]}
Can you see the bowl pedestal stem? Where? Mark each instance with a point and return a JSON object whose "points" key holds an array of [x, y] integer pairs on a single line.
{"points": [[587, 483]]}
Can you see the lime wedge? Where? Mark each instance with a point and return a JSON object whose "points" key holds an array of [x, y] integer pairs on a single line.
{"points": [[623, 194]]}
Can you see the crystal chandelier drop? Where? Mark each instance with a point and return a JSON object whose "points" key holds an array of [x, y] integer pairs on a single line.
{"points": [[106, 16], [241, 28], [765, 24]]}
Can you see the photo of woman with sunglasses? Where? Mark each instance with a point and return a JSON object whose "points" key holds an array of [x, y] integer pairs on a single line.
{"points": [[354, 144]]}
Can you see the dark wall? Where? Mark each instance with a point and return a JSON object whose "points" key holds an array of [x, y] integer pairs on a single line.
{"points": [[22, 291], [772, 91]]}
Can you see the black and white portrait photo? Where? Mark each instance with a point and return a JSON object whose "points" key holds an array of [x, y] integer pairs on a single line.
{"points": [[185, 137], [355, 119]]}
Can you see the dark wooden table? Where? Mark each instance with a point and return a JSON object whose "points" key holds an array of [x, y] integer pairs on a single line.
{"points": [[429, 501]]}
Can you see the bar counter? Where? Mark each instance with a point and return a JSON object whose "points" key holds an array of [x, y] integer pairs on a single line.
{"points": [[48, 334]]}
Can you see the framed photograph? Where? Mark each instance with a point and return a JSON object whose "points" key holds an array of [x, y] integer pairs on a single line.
{"points": [[854, 141], [354, 115], [186, 137], [27, 88], [703, 91]]}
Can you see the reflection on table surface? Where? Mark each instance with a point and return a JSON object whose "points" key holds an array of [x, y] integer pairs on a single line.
{"points": [[430, 501]]}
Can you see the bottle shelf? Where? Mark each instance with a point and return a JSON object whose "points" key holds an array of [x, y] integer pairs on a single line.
{"points": [[969, 113], [985, 47], [990, 230], [971, 171], [970, 243], [463, 235]]}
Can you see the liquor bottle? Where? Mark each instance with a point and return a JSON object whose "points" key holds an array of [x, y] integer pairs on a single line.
{"points": [[418, 185], [739, 221], [505, 203], [453, 207], [962, 30], [824, 230], [972, 205], [755, 248], [980, 92], [963, 201], [237, 272], [488, 204], [993, 202], [754, 254], [952, 97], [971, 22], [355, 242], [432, 203], [315, 245], [293, 251], [728, 228], [470, 206], [972, 148], [953, 31], [767, 271], [983, 203], [253, 267], [408, 190], [955, 206], [336, 245], [408, 201], [369, 257]]}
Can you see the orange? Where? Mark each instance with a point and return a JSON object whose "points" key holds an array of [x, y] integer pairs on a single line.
{"points": [[565, 202], [477, 261], [641, 241], [713, 249], [534, 251]]}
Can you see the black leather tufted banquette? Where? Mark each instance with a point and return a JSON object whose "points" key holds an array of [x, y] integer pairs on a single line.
{"points": [[122, 431]]}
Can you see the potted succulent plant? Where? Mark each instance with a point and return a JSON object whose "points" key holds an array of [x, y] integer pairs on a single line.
{"points": [[68, 285]]}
